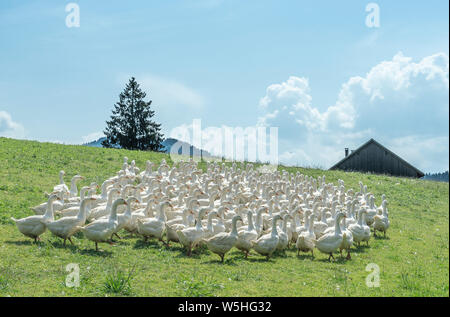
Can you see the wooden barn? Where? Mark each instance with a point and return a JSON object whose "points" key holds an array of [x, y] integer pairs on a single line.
{"points": [[375, 158]]}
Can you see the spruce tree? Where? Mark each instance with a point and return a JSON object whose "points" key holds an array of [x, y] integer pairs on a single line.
{"points": [[130, 126]]}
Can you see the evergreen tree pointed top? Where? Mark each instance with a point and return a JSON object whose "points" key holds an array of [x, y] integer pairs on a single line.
{"points": [[130, 126]]}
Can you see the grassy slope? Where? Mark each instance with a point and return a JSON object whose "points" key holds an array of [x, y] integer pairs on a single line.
{"points": [[414, 259]]}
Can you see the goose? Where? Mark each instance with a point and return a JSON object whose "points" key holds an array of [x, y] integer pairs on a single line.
{"points": [[222, 242], [190, 237], [72, 209], [141, 213], [73, 192], [61, 188], [380, 208], [220, 226], [366, 237], [154, 227], [209, 232], [125, 218], [283, 238], [305, 226], [268, 243], [103, 197], [42, 208], [66, 227], [104, 209], [357, 229], [305, 241], [101, 230], [381, 222], [320, 226], [259, 220], [371, 211], [347, 239], [331, 241], [246, 236], [173, 227], [34, 226]]}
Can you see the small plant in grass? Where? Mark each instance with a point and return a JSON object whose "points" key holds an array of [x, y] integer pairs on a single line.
{"points": [[4, 283], [407, 282], [118, 282]]}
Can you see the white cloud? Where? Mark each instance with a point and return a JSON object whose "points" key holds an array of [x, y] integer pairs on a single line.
{"points": [[94, 136], [401, 103], [10, 128], [170, 93]]}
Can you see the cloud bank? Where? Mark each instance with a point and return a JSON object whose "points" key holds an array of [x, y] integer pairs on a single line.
{"points": [[9, 128], [401, 103]]}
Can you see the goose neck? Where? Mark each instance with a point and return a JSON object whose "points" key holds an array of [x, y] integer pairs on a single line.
{"points": [[250, 221], [234, 226], [337, 226]]}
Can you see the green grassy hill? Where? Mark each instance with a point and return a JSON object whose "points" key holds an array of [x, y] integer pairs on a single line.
{"points": [[413, 259]]}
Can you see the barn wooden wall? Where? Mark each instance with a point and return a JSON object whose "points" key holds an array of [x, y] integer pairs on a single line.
{"points": [[375, 159]]}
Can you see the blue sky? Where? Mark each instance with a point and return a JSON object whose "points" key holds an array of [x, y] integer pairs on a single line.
{"points": [[232, 63]]}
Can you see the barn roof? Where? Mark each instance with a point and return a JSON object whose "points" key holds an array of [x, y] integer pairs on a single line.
{"points": [[336, 166]]}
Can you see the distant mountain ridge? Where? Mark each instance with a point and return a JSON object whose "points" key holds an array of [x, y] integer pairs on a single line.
{"points": [[167, 146]]}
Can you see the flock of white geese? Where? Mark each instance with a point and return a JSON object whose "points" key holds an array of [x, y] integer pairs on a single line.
{"points": [[222, 208]]}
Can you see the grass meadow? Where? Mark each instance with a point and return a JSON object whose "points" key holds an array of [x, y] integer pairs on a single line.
{"points": [[413, 259]]}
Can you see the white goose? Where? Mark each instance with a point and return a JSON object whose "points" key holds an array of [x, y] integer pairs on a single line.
{"points": [[381, 222], [190, 237], [357, 229], [246, 236], [306, 239], [331, 241], [173, 226], [101, 229], [154, 227], [104, 209], [268, 243], [125, 218], [34, 226], [283, 238], [66, 227], [222, 242]]}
